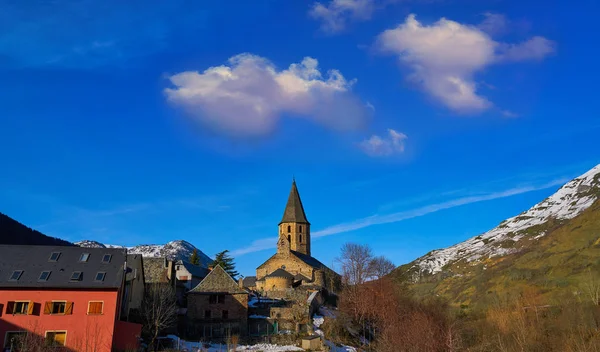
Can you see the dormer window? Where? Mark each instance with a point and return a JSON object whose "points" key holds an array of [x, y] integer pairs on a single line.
{"points": [[54, 257], [100, 276], [44, 276], [76, 276], [106, 258], [84, 257], [16, 275]]}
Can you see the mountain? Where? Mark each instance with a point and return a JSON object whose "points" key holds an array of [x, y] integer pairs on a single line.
{"points": [[13, 232], [552, 248], [173, 250]]}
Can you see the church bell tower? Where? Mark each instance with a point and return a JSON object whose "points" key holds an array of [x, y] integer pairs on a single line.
{"points": [[294, 228]]}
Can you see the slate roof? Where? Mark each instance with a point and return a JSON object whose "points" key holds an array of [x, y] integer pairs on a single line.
{"points": [[154, 270], [217, 281], [312, 261], [280, 273], [33, 260], [195, 270], [249, 281], [300, 277], [294, 211]]}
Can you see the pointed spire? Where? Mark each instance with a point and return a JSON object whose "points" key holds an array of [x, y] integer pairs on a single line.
{"points": [[294, 211]]}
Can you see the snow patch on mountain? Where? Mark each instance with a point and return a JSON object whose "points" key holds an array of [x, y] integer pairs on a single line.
{"points": [[568, 202], [173, 250]]}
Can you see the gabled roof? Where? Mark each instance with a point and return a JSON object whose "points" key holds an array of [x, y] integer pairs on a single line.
{"points": [[309, 260], [217, 281], [249, 281], [33, 260], [294, 211], [280, 273], [195, 270]]}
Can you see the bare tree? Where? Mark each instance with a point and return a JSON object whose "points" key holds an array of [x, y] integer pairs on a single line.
{"points": [[592, 287], [380, 267], [354, 260], [159, 310]]}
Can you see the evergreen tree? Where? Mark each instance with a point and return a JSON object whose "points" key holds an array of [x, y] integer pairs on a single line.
{"points": [[194, 258], [226, 262]]}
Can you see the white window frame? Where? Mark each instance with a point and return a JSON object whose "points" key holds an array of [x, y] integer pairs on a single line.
{"points": [[55, 331], [88, 309]]}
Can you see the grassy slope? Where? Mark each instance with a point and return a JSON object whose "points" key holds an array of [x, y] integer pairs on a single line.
{"points": [[556, 264]]}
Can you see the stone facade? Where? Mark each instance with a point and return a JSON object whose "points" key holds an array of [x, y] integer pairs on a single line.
{"points": [[217, 308]]}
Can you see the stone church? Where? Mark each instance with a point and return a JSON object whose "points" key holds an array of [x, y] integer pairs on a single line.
{"points": [[293, 266]]}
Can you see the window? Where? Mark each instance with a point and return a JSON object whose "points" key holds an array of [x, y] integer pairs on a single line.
{"points": [[56, 338], [21, 307], [44, 276], [289, 228], [289, 239], [300, 238], [212, 299], [225, 314], [15, 339], [207, 314], [84, 257], [221, 299], [95, 307], [76, 276], [54, 257], [58, 307], [100, 276], [300, 227], [16, 275], [106, 258]]}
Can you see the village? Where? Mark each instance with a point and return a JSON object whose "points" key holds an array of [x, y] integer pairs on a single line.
{"points": [[104, 299]]}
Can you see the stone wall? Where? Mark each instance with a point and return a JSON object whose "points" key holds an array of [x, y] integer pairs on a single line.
{"points": [[292, 265], [236, 306], [299, 235]]}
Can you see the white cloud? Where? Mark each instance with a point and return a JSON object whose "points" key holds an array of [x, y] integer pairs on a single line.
{"points": [[388, 145], [445, 56], [336, 14], [494, 23], [248, 96]]}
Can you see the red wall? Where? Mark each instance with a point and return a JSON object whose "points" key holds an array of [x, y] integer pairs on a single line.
{"points": [[84, 332], [126, 336]]}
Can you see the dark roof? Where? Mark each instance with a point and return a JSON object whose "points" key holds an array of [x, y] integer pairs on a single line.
{"points": [[280, 273], [300, 277], [33, 260], [195, 270], [294, 211], [249, 281], [309, 260], [155, 271], [217, 281]]}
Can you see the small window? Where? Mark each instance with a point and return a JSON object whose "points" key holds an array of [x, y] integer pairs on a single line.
{"points": [[15, 338], [225, 314], [21, 307], [207, 314], [289, 239], [300, 227], [44, 276], [106, 258], [76, 276], [16, 275], [221, 299], [289, 228], [100, 276], [95, 308], [300, 238], [58, 307], [56, 338], [212, 299], [84, 257], [54, 256]]}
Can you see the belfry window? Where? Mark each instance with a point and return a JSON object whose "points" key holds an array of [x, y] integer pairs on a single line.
{"points": [[289, 228], [289, 238], [300, 238], [300, 227]]}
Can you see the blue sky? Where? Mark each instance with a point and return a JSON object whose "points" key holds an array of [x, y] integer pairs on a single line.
{"points": [[409, 125]]}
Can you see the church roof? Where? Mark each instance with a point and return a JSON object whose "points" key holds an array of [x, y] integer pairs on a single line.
{"points": [[312, 261], [280, 273], [294, 211]]}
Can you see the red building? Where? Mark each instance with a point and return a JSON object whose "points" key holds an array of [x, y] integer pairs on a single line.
{"points": [[64, 296]]}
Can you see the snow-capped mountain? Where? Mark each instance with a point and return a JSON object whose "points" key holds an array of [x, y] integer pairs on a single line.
{"points": [[173, 250], [512, 234]]}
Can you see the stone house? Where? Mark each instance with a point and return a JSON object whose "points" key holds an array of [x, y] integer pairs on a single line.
{"points": [[217, 308]]}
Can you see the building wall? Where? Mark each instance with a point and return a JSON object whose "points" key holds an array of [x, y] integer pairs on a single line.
{"points": [[235, 304], [299, 235], [83, 330], [293, 266], [277, 283]]}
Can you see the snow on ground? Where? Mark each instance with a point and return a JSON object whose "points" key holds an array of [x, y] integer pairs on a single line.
{"points": [[256, 316], [569, 201], [254, 301], [318, 320], [197, 346]]}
